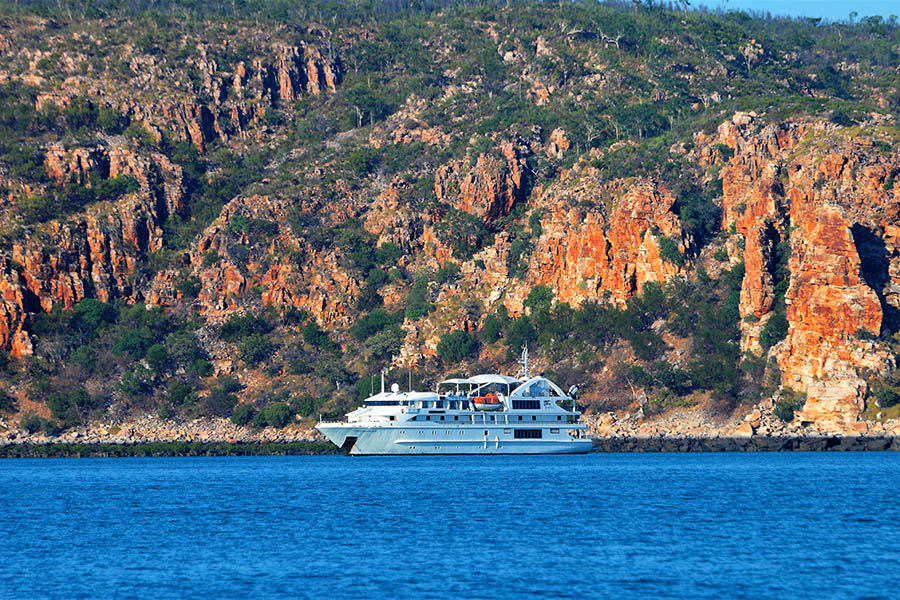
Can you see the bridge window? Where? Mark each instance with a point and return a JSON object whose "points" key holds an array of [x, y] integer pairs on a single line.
{"points": [[524, 434], [526, 404]]}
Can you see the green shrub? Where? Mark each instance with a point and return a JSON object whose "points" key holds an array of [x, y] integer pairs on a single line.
{"points": [[137, 383], [493, 326], [417, 304], [886, 390], [887, 397], [668, 251], [387, 254], [299, 366], [7, 403], [157, 357], [134, 342], [306, 406], [84, 357], [317, 337], [465, 233], [71, 407], [447, 274], [376, 278], [50, 427], [201, 368], [189, 286], [455, 346], [139, 133], [94, 313], [368, 325], [517, 334], [210, 258], [725, 152], [31, 423], [516, 261], [221, 399], [775, 330], [274, 415], [790, 402], [243, 414], [238, 327], [255, 348], [180, 393]]}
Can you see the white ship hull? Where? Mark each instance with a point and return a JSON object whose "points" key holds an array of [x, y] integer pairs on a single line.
{"points": [[424, 438]]}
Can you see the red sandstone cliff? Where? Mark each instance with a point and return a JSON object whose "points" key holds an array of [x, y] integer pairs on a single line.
{"points": [[824, 191], [93, 254]]}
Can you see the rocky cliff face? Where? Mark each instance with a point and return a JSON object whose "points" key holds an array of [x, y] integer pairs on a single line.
{"points": [[95, 254], [811, 209], [220, 99], [283, 268], [825, 193], [488, 189], [610, 250], [240, 95]]}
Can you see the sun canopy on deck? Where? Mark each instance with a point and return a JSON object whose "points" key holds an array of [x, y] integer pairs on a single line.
{"points": [[482, 380], [491, 378]]}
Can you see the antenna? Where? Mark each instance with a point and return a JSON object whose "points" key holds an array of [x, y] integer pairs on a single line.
{"points": [[382, 381], [523, 371]]}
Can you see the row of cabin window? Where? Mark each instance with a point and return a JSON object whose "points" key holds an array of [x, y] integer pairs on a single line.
{"points": [[519, 434], [490, 418], [462, 405]]}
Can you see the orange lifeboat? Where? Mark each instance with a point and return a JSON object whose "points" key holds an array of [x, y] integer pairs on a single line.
{"points": [[489, 401]]}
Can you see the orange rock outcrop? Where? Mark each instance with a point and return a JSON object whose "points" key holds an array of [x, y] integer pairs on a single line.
{"points": [[605, 247], [92, 254], [488, 189], [825, 192]]}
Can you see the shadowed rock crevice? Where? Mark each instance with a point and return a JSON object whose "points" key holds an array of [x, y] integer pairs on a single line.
{"points": [[874, 264]]}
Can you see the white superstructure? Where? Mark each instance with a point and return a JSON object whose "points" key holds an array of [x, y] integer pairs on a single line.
{"points": [[484, 414]]}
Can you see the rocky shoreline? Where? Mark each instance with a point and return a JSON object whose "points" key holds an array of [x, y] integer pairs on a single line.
{"points": [[105, 450], [150, 429], [747, 444], [603, 445], [688, 430]]}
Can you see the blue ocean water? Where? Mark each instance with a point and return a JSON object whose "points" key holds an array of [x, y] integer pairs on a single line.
{"points": [[603, 525]]}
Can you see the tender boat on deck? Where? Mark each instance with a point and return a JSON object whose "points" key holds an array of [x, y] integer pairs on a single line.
{"points": [[484, 414]]}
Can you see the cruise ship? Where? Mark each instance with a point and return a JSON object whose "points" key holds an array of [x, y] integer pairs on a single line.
{"points": [[484, 414]]}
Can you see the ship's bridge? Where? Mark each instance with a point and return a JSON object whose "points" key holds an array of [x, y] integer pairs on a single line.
{"points": [[537, 393]]}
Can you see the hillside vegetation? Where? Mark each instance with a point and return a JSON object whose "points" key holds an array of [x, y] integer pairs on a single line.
{"points": [[249, 209]]}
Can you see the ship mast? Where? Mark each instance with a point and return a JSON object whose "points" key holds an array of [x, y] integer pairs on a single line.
{"points": [[523, 361]]}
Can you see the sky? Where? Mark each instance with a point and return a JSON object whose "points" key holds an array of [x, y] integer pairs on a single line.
{"points": [[832, 10]]}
